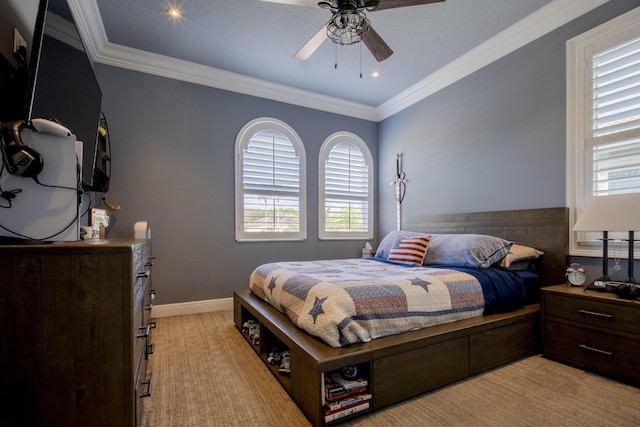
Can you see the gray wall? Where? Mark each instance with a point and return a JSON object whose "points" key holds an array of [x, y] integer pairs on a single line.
{"points": [[173, 153], [494, 140]]}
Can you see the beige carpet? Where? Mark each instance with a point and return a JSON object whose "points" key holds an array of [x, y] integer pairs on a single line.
{"points": [[205, 374]]}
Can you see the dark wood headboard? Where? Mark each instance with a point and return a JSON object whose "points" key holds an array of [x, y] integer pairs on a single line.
{"points": [[546, 229]]}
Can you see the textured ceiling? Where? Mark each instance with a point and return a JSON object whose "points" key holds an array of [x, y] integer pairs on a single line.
{"points": [[258, 39]]}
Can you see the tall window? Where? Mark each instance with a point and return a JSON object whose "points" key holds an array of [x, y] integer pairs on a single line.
{"points": [[270, 182], [603, 117], [346, 188]]}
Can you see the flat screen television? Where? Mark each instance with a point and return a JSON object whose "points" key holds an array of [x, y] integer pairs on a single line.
{"points": [[59, 82]]}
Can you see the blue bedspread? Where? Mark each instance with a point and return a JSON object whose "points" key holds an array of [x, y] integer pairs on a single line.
{"points": [[503, 289]]}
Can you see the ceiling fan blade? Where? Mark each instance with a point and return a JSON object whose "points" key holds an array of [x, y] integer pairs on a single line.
{"points": [[308, 3], [392, 4], [314, 43], [378, 48]]}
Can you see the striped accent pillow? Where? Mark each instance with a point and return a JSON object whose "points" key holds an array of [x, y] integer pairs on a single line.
{"points": [[410, 250]]}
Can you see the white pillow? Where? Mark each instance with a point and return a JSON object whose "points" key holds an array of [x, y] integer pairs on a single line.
{"points": [[519, 253]]}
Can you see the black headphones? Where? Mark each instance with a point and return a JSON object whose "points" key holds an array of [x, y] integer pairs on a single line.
{"points": [[18, 158]]}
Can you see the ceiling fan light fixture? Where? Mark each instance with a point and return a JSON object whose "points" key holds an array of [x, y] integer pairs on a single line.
{"points": [[348, 27], [371, 5]]}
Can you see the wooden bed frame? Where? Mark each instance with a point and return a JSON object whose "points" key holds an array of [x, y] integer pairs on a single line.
{"points": [[401, 366]]}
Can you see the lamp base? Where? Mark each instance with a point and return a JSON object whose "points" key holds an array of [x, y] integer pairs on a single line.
{"points": [[630, 260]]}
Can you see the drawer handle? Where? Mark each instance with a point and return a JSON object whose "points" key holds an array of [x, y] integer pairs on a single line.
{"points": [[148, 384], [149, 349], [596, 314], [148, 307], [145, 331], [144, 274], [596, 350]]}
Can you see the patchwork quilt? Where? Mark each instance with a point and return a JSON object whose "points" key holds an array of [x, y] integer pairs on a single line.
{"points": [[356, 300]]}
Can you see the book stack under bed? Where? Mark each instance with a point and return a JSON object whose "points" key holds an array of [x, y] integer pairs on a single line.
{"points": [[345, 392]]}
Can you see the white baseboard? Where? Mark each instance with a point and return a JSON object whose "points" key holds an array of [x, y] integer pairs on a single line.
{"points": [[192, 307]]}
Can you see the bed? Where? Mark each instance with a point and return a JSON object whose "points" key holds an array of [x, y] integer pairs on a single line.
{"points": [[402, 355]]}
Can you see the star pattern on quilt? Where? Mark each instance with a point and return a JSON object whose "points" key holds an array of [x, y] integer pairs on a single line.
{"points": [[317, 310], [272, 284], [422, 283]]}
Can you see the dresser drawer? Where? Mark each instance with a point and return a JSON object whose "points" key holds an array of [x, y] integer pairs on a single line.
{"points": [[141, 280], [147, 305], [592, 312], [599, 351], [142, 388], [143, 347]]}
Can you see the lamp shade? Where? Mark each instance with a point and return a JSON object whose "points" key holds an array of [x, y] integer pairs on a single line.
{"points": [[618, 212]]}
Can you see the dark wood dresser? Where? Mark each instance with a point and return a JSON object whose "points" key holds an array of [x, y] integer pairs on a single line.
{"points": [[592, 330], [75, 320]]}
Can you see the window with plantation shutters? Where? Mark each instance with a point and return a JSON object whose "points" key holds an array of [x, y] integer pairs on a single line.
{"points": [[270, 182], [346, 188], [603, 119]]}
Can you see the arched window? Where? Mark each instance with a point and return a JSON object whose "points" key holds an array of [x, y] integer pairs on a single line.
{"points": [[270, 182], [346, 188]]}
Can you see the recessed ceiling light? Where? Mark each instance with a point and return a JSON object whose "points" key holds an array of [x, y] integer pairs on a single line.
{"points": [[375, 74], [174, 12]]}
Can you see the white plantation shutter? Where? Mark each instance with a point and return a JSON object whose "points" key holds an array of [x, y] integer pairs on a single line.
{"points": [[616, 168], [346, 188], [271, 184], [616, 119], [616, 89], [269, 178]]}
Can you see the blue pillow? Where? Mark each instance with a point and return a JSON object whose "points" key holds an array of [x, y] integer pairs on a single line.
{"points": [[464, 250]]}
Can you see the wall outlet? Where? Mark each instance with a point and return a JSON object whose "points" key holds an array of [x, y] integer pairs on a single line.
{"points": [[18, 41]]}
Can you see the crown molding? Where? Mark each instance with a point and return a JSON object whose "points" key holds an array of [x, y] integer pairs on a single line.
{"points": [[539, 23], [151, 63], [548, 18], [89, 23]]}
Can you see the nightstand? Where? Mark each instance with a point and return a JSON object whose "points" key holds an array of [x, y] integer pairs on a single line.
{"points": [[593, 330]]}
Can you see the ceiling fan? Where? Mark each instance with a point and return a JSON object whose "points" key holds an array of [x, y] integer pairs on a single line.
{"points": [[349, 24]]}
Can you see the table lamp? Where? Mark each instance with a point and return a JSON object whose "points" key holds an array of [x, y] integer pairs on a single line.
{"points": [[617, 212]]}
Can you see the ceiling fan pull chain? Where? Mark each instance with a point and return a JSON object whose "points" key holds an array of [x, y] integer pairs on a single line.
{"points": [[360, 60], [336, 56]]}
